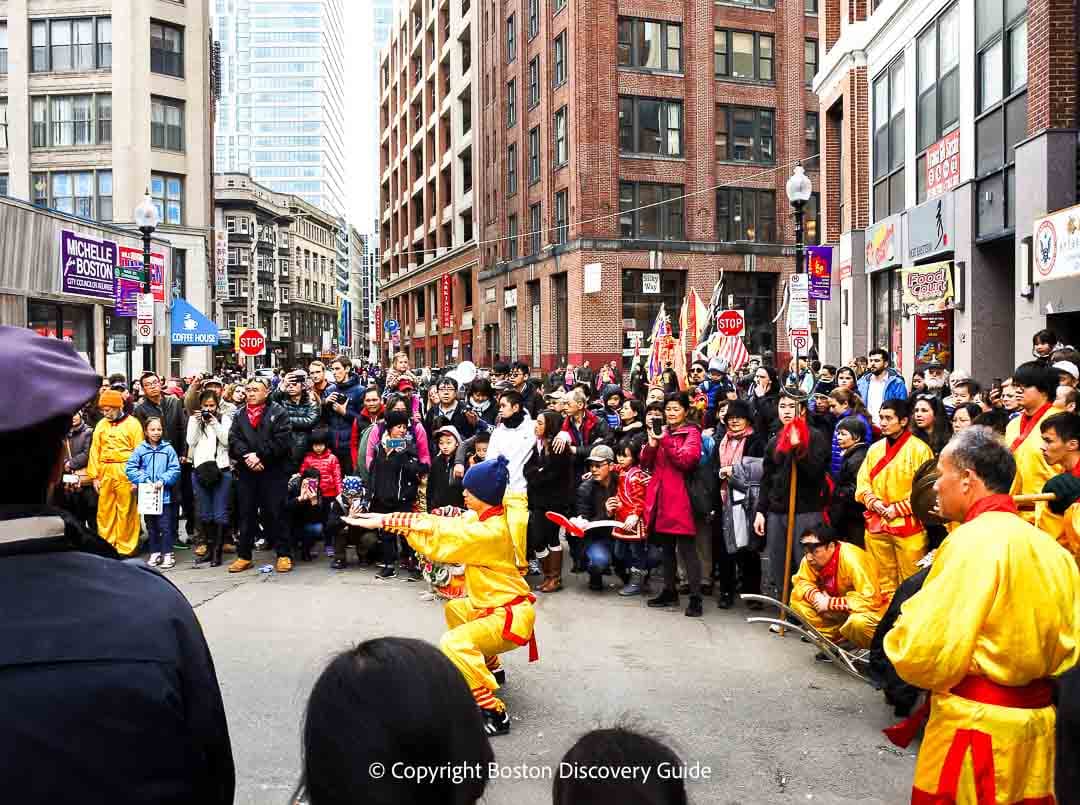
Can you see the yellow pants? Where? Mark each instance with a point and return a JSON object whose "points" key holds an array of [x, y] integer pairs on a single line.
{"points": [[895, 557], [858, 627], [117, 514], [474, 637], [517, 520]]}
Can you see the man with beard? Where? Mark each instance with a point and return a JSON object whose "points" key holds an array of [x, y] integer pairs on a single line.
{"points": [[115, 439], [880, 383]]}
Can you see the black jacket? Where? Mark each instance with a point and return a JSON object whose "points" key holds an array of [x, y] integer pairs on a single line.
{"points": [[77, 447], [302, 513], [845, 513], [395, 479], [272, 442], [173, 418], [765, 419], [590, 502], [776, 477], [550, 477], [96, 656], [442, 488], [435, 419], [303, 419]]}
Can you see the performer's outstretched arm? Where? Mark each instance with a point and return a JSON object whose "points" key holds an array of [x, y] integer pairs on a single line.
{"points": [[450, 540]]}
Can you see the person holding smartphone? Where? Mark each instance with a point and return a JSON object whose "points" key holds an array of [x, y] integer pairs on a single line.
{"points": [[395, 482]]}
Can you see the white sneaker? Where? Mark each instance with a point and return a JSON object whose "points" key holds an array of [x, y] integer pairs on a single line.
{"points": [[154, 560], [168, 562]]}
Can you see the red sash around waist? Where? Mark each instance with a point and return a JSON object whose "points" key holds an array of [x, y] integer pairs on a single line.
{"points": [[1032, 696], [508, 634]]}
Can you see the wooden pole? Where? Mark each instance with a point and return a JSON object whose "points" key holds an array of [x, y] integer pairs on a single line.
{"points": [[793, 487]]}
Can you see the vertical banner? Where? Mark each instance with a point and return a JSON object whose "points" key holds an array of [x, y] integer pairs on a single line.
{"points": [[819, 269], [446, 301], [221, 256], [934, 338]]}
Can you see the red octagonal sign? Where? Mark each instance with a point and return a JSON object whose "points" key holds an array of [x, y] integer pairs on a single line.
{"points": [[731, 322], [252, 342]]}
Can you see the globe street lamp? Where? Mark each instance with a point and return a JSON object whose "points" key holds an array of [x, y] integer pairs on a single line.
{"points": [[146, 219], [798, 193]]}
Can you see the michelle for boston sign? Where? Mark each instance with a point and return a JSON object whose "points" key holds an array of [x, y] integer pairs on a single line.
{"points": [[87, 265]]}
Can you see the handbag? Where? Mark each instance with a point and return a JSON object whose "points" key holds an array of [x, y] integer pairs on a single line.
{"points": [[208, 474], [84, 474]]}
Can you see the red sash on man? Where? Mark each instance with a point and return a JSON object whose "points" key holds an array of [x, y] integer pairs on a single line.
{"points": [[1027, 424], [890, 453]]}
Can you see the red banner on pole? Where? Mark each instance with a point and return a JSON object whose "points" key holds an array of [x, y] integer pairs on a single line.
{"points": [[446, 301]]}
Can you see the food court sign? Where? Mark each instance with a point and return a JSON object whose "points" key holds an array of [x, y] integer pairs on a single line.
{"points": [[928, 288], [87, 265], [1057, 245]]}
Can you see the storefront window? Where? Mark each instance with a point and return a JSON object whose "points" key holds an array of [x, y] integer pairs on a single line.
{"points": [[118, 345], [72, 323], [888, 313], [642, 294], [755, 295]]}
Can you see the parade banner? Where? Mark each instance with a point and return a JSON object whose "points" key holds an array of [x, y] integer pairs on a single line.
{"points": [[446, 301], [819, 267], [928, 288], [221, 256], [87, 266]]}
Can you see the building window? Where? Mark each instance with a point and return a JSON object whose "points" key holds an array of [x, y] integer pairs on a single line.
{"points": [[938, 67], [3, 50], [166, 49], [511, 38], [650, 126], [512, 237], [562, 148], [649, 45], [1001, 103], [511, 169], [651, 211], [562, 216], [3, 184], [105, 193], [812, 138], [70, 45], [3, 126], [560, 59], [742, 55], [167, 193], [83, 193], [535, 228], [745, 214], [534, 155], [534, 82], [511, 102], [104, 43], [559, 5], [745, 134], [167, 124], [810, 6], [753, 3], [809, 60], [534, 18], [888, 99], [67, 121]]}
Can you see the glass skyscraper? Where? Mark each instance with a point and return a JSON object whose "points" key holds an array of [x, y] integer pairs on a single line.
{"points": [[281, 117]]}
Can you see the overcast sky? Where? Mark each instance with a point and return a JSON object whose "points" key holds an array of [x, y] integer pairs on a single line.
{"points": [[361, 117]]}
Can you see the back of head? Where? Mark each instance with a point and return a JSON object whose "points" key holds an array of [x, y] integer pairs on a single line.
{"points": [[386, 701], [619, 747]]}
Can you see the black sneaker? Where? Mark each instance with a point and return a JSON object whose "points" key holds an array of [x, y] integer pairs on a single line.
{"points": [[386, 572], [500, 676], [337, 564], [596, 581], [415, 575], [693, 609], [667, 598], [495, 723]]}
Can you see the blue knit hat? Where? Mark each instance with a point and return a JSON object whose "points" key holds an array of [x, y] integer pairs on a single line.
{"points": [[488, 479]]}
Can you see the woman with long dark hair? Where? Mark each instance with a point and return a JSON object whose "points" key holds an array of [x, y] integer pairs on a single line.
{"points": [[930, 422], [763, 396], [631, 423], [550, 477], [845, 379]]}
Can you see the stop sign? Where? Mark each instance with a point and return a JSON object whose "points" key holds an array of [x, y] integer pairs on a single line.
{"points": [[731, 322], [252, 342]]}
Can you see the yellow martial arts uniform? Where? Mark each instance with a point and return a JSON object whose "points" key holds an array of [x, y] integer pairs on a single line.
{"points": [[896, 544], [998, 616], [1064, 528], [855, 601], [497, 613], [117, 514], [1023, 437]]}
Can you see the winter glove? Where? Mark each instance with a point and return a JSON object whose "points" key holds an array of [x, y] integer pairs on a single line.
{"points": [[1067, 488]]}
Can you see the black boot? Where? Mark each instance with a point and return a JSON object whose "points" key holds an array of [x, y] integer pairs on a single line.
{"points": [[725, 600], [667, 598], [217, 538], [693, 609], [208, 542]]}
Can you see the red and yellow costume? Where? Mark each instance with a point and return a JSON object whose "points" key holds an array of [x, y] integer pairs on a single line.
{"points": [[998, 617], [849, 580], [1064, 528], [497, 613], [117, 513], [895, 543], [1023, 437], [633, 484]]}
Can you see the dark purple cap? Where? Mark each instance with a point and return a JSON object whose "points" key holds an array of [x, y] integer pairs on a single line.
{"points": [[46, 378]]}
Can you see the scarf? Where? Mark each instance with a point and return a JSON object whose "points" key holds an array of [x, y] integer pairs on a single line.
{"points": [[255, 414], [481, 407], [514, 420], [893, 446], [1027, 424], [783, 441], [732, 447], [827, 576], [991, 503]]}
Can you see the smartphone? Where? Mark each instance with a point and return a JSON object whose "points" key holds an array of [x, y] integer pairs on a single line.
{"points": [[395, 444], [312, 485], [70, 479], [657, 426]]}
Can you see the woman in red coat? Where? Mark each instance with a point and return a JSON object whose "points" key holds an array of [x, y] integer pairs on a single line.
{"points": [[669, 518]]}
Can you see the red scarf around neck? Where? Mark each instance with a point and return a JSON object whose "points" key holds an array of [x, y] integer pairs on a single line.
{"points": [[891, 450], [783, 441], [1027, 424], [991, 503], [255, 414], [827, 575]]}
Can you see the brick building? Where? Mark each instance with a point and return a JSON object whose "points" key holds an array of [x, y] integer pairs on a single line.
{"points": [[949, 129]]}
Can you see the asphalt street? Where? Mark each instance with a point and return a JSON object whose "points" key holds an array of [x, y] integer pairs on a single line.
{"points": [[767, 722]]}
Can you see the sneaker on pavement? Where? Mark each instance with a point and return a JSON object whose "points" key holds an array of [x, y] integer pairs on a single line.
{"points": [[337, 564], [596, 581], [154, 560], [386, 572], [329, 552], [168, 561], [496, 723], [283, 564], [240, 565], [632, 587]]}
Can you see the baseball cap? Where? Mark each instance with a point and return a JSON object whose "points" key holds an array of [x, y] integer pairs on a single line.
{"points": [[406, 382], [1068, 366], [600, 453], [447, 429]]}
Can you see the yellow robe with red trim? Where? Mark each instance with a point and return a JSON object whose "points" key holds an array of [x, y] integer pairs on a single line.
{"points": [[1001, 601], [1064, 528], [1032, 471], [117, 514], [895, 556], [856, 610]]}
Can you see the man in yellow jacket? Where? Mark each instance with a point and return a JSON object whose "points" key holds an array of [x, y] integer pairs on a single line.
{"points": [[115, 439], [1023, 437], [997, 619], [836, 589], [1061, 447], [497, 613], [895, 539]]}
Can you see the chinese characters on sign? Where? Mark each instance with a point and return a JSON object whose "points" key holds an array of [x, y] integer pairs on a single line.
{"points": [[446, 301], [943, 165], [819, 268]]}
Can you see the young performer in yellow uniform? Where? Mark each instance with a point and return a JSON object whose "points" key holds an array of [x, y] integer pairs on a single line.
{"points": [[1061, 447], [115, 439], [836, 589], [497, 613], [997, 619], [895, 539], [1023, 436]]}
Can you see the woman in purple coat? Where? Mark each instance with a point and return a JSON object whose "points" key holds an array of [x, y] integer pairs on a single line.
{"points": [[669, 518]]}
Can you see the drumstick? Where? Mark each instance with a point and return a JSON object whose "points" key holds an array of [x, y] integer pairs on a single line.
{"points": [[1042, 497]]}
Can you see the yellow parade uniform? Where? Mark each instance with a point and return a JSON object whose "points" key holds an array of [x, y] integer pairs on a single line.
{"points": [[896, 544], [998, 616], [1065, 529], [117, 513], [497, 614], [855, 601], [1023, 437]]}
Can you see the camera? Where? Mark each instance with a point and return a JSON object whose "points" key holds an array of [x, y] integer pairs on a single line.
{"points": [[207, 415]]}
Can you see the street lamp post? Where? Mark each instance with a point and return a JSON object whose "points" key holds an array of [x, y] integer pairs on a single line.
{"points": [[798, 193], [146, 219]]}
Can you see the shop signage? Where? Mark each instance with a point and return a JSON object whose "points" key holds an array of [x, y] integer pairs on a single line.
{"points": [[843, 257], [130, 267], [510, 296], [593, 275], [221, 256], [144, 319], [731, 323], [943, 165], [378, 318], [928, 288], [446, 301], [819, 270], [650, 282], [87, 265], [190, 328], [883, 244], [1057, 244], [930, 228], [933, 338], [251, 342], [798, 312]]}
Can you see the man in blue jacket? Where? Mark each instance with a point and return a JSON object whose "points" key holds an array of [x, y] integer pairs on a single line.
{"points": [[880, 383], [342, 402]]}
